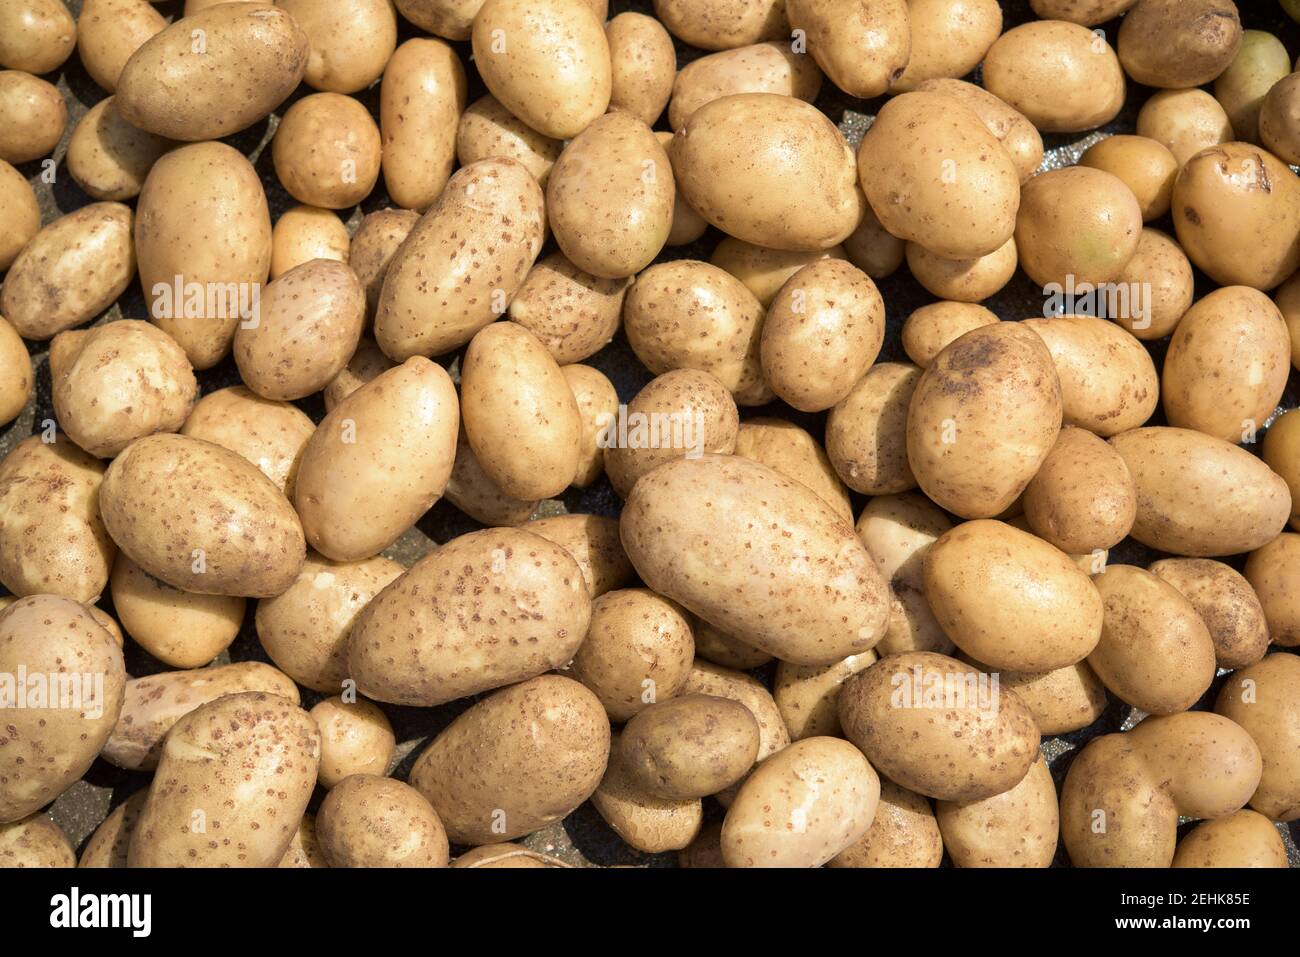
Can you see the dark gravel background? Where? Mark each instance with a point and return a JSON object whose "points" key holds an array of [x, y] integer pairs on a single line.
{"points": [[582, 838]]}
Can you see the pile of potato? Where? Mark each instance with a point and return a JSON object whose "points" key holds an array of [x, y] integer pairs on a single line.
{"points": [[843, 599]]}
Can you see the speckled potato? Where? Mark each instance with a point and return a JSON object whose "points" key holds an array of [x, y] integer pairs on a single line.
{"points": [[242, 766], [788, 449], [1176, 44], [1086, 12], [252, 58], [1226, 603], [19, 381], [769, 169], [350, 41], [108, 157], [1200, 496], [71, 271], [928, 329], [949, 39], [593, 542], [1063, 77], [487, 129], [1145, 166], [1012, 128], [1242, 839], [304, 850], [374, 821], [1273, 571], [865, 431], [110, 31], [35, 841], [271, 435], [644, 821], [378, 461], [1261, 61], [20, 214], [1082, 498], [372, 247], [574, 313], [50, 748], [1076, 222], [723, 24], [36, 35], [516, 761], [808, 695], [689, 746], [715, 680], [1017, 828], [1160, 266], [872, 248], [304, 233], [759, 68], [1262, 699], [52, 540], [1281, 452], [902, 834], [863, 48], [108, 846], [201, 518], [444, 18], [326, 151], [419, 144], [597, 406], [643, 64], [1185, 121], [32, 117], [474, 493], [764, 271]]}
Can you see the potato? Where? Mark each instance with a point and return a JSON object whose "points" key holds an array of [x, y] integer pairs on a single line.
{"points": [[573, 313], [1261, 61], [271, 435], [1088, 13], [1226, 603], [643, 64], [516, 761], [593, 542], [769, 169], [1281, 452], [1062, 700], [864, 49], [351, 42], [181, 629], [152, 705], [56, 723], [35, 842], [865, 431], [759, 68], [244, 766], [1185, 121], [689, 746], [1017, 828], [36, 35], [106, 621], [366, 363], [1082, 499], [373, 246], [686, 314], [419, 144], [1277, 118], [1063, 77], [17, 386], [109, 32], [1242, 839], [720, 648], [372, 821], [1288, 302], [688, 225], [1227, 364], [872, 248], [70, 272], [822, 332], [949, 39], [1271, 571], [378, 461], [32, 117], [808, 695], [1200, 496], [506, 855], [304, 850], [1262, 699], [723, 24], [108, 846], [487, 129], [1012, 128], [1176, 44], [20, 215], [326, 151], [597, 407], [784, 447], [474, 493], [764, 271], [251, 57], [936, 726], [935, 175], [721, 682], [547, 61], [201, 518], [982, 419], [801, 807], [930, 328], [829, 603], [1160, 270], [705, 850], [1145, 166], [1078, 225], [902, 834], [203, 238], [108, 157], [644, 821], [444, 18], [52, 540], [963, 280], [1155, 652], [472, 250]]}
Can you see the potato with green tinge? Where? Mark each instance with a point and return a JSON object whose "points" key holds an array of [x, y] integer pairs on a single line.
{"points": [[419, 144], [372, 821], [1261, 61], [1226, 603], [689, 746], [1076, 222]]}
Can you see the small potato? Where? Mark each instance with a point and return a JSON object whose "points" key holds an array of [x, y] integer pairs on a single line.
{"points": [[36, 35], [1242, 839], [487, 129], [516, 761], [181, 629], [1185, 121], [865, 431], [1263, 700], [929, 329], [373, 246], [721, 682], [1012, 128], [863, 49], [52, 540], [247, 763], [788, 449], [71, 271], [378, 461], [644, 821], [593, 542], [1277, 118], [957, 194], [304, 233], [110, 31], [108, 157], [689, 746], [1261, 61], [688, 225], [1017, 828], [949, 39], [872, 248], [1062, 700], [420, 103], [269, 434], [201, 518], [573, 313], [1088, 13], [902, 834], [1076, 222], [355, 738], [326, 151], [1272, 572], [643, 64], [771, 67], [1281, 453], [808, 695], [16, 387], [35, 842], [32, 117], [1155, 652], [822, 332], [1082, 499], [367, 363], [720, 648], [1176, 44], [1063, 77], [351, 41], [108, 846], [1145, 166], [963, 280], [764, 271], [474, 493], [1160, 266], [769, 169], [1226, 603], [722, 24], [597, 407], [20, 215], [1227, 364]]}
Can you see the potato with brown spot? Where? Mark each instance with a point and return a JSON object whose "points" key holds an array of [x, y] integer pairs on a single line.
{"points": [[593, 542], [689, 746], [35, 842], [808, 695], [372, 821], [1226, 603], [788, 449], [1242, 839], [487, 129], [721, 682], [270, 434], [1176, 44], [355, 738], [646, 822], [108, 846], [723, 24], [326, 151], [179, 628], [865, 431], [927, 330], [902, 834], [949, 39], [373, 245], [573, 313], [643, 64], [1012, 128], [864, 47], [110, 31]]}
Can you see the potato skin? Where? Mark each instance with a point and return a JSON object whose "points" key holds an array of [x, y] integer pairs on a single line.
{"points": [[593, 542], [1177, 44], [110, 31], [419, 145], [36, 36], [788, 449], [1077, 221], [866, 431], [373, 245], [373, 821], [1082, 499], [1186, 121], [107, 847], [1271, 571], [949, 39], [710, 679], [35, 841], [1262, 699], [1226, 603], [643, 65], [1016, 828], [321, 138], [689, 746], [33, 114], [902, 834], [1011, 127], [646, 822], [269, 434], [487, 129], [808, 695], [350, 41], [108, 157], [247, 762], [516, 761], [1242, 839], [1161, 263], [863, 48], [598, 403], [693, 561], [304, 233], [20, 215], [1063, 700], [1146, 166], [723, 24], [770, 67], [19, 380], [573, 313], [928, 329], [1281, 453]]}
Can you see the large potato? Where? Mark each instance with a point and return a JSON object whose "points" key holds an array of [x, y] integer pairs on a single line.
{"points": [[1176, 44], [863, 47], [420, 103], [1263, 699], [759, 68], [1226, 603], [179, 628], [271, 435]]}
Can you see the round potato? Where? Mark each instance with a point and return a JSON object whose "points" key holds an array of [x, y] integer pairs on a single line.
{"points": [[1226, 603], [1161, 268], [1262, 699], [597, 407], [108, 157], [865, 431], [864, 50], [1242, 839], [1017, 828], [722, 24], [964, 280], [35, 841], [1082, 499], [109, 32], [949, 39], [36, 35], [1076, 225], [764, 271], [1185, 121], [1145, 166], [19, 381], [181, 629], [808, 695], [721, 682], [355, 739], [689, 746], [771, 67], [1261, 61], [1271, 571], [593, 542], [788, 449], [1176, 44], [269, 434], [1012, 128], [644, 821], [574, 313], [326, 151], [350, 41], [32, 117], [420, 103], [643, 65], [372, 247], [487, 129], [902, 834], [929, 329]]}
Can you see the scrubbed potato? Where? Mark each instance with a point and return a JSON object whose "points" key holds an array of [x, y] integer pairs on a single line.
{"points": [[949, 39], [1176, 44], [864, 49], [252, 57], [788, 449], [1272, 572], [35, 842], [1226, 603], [1012, 128], [474, 493], [771, 67], [326, 151], [420, 103], [808, 695], [689, 746], [32, 117], [902, 834], [723, 24], [108, 846], [1016, 828], [516, 761], [201, 518], [721, 682], [1082, 498], [597, 406], [1262, 699], [1185, 121], [1076, 222], [270, 434], [153, 704], [487, 129], [646, 822], [52, 540], [444, 18], [1261, 61], [304, 850], [19, 381], [304, 233], [373, 821], [36, 35], [1281, 452], [1242, 839], [20, 215], [1160, 266], [765, 271], [108, 157], [242, 766], [109, 32], [872, 248], [928, 329], [350, 41], [49, 748], [573, 313], [865, 431], [593, 542], [373, 246], [1145, 166], [643, 65]]}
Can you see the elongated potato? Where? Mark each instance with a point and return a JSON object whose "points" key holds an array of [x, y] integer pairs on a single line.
{"points": [[866, 430], [1226, 603], [420, 103], [110, 31]]}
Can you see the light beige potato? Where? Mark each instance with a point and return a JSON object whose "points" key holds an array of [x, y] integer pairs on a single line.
{"points": [[769, 169], [356, 738], [802, 806], [181, 629], [1012, 128], [963, 280], [1145, 166], [373, 246], [269, 434], [771, 67], [593, 542], [828, 604], [106, 622], [304, 233], [723, 24], [1155, 652], [108, 846], [1176, 44], [1261, 61], [253, 56], [936, 176], [110, 31], [1063, 700], [36, 35], [574, 313], [982, 419], [70, 272], [443, 18], [1185, 121], [821, 334], [1242, 839], [902, 834], [378, 461], [326, 151], [863, 47], [722, 682], [689, 746], [1277, 118], [765, 271], [1083, 498], [644, 821], [108, 157], [242, 766], [471, 251], [927, 330], [487, 129], [304, 850], [865, 431], [153, 704], [350, 41], [788, 449], [367, 363], [19, 381], [547, 61], [1161, 267], [419, 144], [1272, 572], [808, 695], [20, 214], [716, 646], [471, 490], [201, 518], [643, 65], [49, 748], [1227, 365], [1199, 496], [1287, 299], [949, 39], [1226, 603], [1262, 699], [506, 855], [1076, 222], [516, 761], [1017, 828], [1088, 13], [35, 842], [1063, 77], [52, 540], [32, 117], [597, 406], [686, 314], [1281, 453], [872, 248], [203, 240]]}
